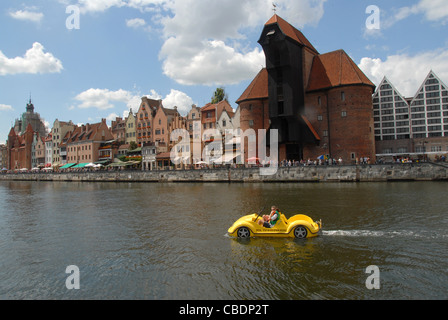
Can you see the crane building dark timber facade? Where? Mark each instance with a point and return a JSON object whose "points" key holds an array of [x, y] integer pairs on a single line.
{"points": [[321, 104]]}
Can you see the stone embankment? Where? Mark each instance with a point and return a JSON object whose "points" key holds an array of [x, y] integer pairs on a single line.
{"points": [[359, 173]]}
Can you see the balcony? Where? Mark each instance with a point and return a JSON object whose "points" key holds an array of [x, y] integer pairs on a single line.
{"points": [[105, 156]]}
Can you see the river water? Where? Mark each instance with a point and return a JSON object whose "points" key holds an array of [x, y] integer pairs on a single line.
{"points": [[168, 241]]}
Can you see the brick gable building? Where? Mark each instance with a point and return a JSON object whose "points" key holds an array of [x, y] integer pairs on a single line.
{"points": [[321, 104], [19, 149]]}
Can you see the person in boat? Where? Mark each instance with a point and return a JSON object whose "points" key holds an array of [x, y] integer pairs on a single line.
{"points": [[268, 221]]}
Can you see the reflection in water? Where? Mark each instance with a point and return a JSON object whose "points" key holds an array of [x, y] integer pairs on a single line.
{"points": [[168, 241]]}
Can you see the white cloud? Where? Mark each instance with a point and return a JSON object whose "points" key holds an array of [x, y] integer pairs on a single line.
{"points": [[178, 99], [154, 95], [112, 116], [103, 98], [5, 107], [34, 61], [433, 10], [205, 44], [103, 5], [209, 63], [99, 5], [138, 23], [202, 45], [27, 15], [407, 72], [135, 23]]}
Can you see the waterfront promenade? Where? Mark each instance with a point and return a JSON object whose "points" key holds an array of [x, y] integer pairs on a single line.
{"points": [[326, 173]]}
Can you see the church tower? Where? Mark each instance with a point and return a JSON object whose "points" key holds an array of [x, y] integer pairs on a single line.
{"points": [[30, 107]]}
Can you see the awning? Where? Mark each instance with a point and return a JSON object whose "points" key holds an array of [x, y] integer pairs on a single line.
{"points": [[68, 165], [136, 150], [117, 164], [164, 155], [102, 162], [80, 165]]}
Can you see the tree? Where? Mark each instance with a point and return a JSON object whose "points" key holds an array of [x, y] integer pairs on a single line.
{"points": [[219, 95], [132, 145]]}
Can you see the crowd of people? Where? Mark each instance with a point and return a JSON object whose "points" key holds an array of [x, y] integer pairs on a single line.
{"points": [[309, 162], [321, 161]]}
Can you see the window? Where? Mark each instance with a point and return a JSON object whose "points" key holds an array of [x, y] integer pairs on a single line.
{"points": [[223, 123], [251, 123], [343, 96], [319, 100], [319, 117], [344, 114]]}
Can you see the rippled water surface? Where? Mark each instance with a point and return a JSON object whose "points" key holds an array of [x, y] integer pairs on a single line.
{"points": [[168, 241]]}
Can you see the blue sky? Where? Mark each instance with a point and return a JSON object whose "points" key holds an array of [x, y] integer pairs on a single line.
{"points": [[182, 50]]}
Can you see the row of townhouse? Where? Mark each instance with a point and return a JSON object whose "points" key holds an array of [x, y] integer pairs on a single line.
{"points": [[68, 144], [152, 125]]}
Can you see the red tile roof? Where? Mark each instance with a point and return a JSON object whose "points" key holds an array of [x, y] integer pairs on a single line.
{"points": [[335, 69], [258, 88], [291, 32], [218, 107]]}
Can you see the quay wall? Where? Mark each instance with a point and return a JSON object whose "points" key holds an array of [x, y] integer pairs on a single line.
{"points": [[358, 173]]}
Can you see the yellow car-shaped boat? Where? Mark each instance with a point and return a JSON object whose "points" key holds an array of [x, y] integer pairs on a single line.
{"points": [[298, 226]]}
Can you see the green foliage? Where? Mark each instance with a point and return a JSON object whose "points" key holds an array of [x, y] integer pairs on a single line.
{"points": [[132, 145], [219, 95]]}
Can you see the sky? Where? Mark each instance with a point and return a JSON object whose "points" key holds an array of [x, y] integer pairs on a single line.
{"points": [[85, 60]]}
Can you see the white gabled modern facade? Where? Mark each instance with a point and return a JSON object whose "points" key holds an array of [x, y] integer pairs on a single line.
{"points": [[416, 126], [429, 109]]}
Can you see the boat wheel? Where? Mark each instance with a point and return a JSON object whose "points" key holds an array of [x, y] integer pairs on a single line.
{"points": [[243, 232], [300, 232]]}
